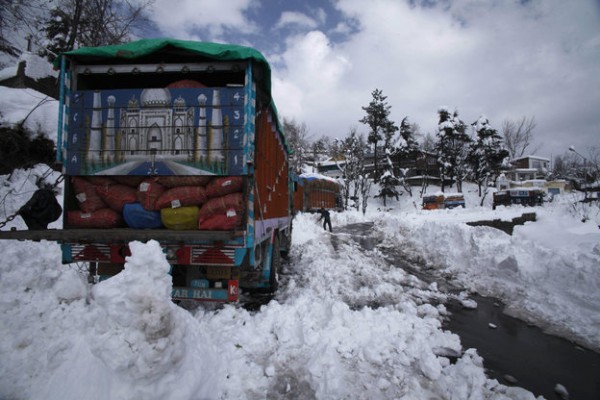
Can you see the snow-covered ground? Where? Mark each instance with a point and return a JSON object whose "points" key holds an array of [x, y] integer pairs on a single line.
{"points": [[346, 323]]}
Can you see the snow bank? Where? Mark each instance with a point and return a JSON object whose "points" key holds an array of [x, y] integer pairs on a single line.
{"points": [[136, 342], [546, 272], [40, 110]]}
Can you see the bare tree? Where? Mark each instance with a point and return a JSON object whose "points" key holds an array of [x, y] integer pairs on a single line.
{"points": [[76, 23], [518, 137], [297, 139], [19, 21]]}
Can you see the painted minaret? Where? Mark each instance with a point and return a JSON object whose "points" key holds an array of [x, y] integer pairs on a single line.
{"points": [[109, 140], [96, 129], [202, 140], [216, 132]]}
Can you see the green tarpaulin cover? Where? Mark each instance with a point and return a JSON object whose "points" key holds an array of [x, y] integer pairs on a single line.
{"points": [[133, 50]]}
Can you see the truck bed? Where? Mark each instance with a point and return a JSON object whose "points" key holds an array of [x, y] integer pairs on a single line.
{"points": [[118, 235]]}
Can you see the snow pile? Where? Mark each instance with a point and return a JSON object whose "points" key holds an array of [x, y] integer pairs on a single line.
{"points": [[546, 272], [39, 111], [136, 331], [125, 341]]}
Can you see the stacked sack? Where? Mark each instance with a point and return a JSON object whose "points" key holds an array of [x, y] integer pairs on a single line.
{"points": [[175, 202], [225, 205], [101, 201]]}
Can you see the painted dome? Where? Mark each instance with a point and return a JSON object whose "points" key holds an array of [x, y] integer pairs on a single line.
{"points": [[179, 102], [156, 98]]}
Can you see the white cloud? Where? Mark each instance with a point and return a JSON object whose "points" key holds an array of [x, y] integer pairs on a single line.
{"points": [[501, 59], [312, 74], [180, 19], [296, 18]]}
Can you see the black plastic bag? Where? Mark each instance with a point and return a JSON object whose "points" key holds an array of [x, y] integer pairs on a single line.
{"points": [[41, 209]]}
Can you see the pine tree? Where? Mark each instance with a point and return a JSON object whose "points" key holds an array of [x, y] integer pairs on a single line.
{"points": [[486, 155], [451, 148], [388, 182], [381, 128]]}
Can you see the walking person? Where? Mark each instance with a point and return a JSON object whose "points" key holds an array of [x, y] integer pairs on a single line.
{"points": [[326, 219]]}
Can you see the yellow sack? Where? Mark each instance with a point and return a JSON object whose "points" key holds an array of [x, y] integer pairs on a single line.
{"points": [[180, 218]]}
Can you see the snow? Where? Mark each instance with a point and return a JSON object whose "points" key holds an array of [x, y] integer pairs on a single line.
{"points": [[16, 105], [347, 322], [39, 111], [36, 68]]}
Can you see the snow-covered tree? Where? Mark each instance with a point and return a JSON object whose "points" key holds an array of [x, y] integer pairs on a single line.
{"points": [[350, 155], [406, 148], [319, 150], [388, 182], [297, 139], [77, 23], [486, 155], [451, 148], [380, 127]]}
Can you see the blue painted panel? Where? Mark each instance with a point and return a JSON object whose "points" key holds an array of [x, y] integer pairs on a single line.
{"points": [[161, 131]]}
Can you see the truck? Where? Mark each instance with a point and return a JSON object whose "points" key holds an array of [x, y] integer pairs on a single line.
{"points": [[521, 196], [314, 191], [179, 142], [443, 201]]}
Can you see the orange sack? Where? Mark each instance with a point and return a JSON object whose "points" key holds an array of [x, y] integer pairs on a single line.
{"points": [[104, 218], [218, 205], [148, 193], [224, 185], [86, 195], [116, 196], [182, 196], [184, 180], [223, 221]]}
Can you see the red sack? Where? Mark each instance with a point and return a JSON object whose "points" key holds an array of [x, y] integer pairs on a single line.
{"points": [[116, 196], [182, 196], [221, 222], [148, 193], [99, 180], [219, 205], [104, 218], [129, 180], [184, 180], [86, 195], [224, 185]]}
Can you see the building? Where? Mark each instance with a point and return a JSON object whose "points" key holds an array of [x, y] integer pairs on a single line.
{"points": [[31, 72], [528, 168]]}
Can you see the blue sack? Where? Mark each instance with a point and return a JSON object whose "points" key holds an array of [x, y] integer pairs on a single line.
{"points": [[138, 217]]}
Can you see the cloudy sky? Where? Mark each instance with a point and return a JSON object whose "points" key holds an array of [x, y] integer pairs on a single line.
{"points": [[505, 59]]}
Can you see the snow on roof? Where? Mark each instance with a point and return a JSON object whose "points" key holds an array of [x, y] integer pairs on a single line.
{"points": [[314, 176], [36, 68], [533, 157]]}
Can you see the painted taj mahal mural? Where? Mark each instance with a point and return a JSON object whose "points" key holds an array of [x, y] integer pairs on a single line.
{"points": [[164, 131]]}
